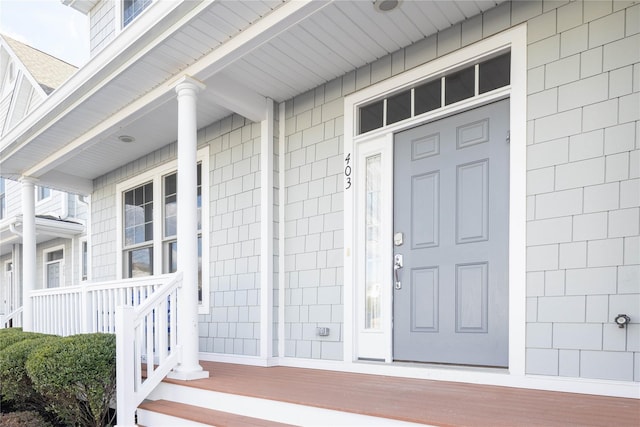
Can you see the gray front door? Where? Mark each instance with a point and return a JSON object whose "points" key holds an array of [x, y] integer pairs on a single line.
{"points": [[451, 211]]}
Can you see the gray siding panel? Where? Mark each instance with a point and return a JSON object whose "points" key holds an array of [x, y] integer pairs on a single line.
{"points": [[102, 22], [582, 196], [233, 327]]}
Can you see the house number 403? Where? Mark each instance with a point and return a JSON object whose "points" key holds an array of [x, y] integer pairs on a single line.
{"points": [[347, 172]]}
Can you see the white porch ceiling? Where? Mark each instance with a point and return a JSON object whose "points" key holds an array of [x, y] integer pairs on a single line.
{"points": [[243, 51]]}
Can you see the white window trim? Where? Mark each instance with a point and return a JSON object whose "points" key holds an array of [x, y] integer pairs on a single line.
{"points": [[157, 225], [515, 40], [44, 199], [83, 240], [156, 176], [119, 10], [46, 252], [3, 196], [119, 16], [8, 290]]}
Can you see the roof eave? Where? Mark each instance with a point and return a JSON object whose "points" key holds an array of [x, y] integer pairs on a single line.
{"points": [[99, 69], [83, 6]]}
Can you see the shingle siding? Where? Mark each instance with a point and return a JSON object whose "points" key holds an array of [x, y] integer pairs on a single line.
{"points": [[582, 181], [102, 25], [581, 161], [103, 231], [594, 77], [313, 219], [234, 325], [583, 215]]}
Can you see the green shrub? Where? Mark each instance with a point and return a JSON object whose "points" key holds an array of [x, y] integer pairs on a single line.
{"points": [[23, 419], [11, 336], [16, 385], [77, 375]]}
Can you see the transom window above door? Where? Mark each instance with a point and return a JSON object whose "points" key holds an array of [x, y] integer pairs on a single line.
{"points": [[435, 93]]}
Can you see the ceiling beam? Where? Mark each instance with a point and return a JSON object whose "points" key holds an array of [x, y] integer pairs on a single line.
{"points": [[68, 183], [231, 95]]}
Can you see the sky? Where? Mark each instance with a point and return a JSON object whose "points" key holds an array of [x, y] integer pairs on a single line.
{"points": [[49, 26]]}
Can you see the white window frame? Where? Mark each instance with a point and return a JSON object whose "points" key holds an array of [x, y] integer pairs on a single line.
{"points": [[168, 239], [359, 344], [147, 244], [156, 176], [81, 261], [119, 8], [43, 199], [8, 292], [45, 264], [3, 198]]}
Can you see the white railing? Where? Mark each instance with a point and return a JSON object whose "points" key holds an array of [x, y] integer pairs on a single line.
{"points": [[142, 312], [11, 320], [89, 307], [146, 347]]}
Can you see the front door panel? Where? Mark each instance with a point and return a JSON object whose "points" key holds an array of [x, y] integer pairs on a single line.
{"points": [[451, 183]]}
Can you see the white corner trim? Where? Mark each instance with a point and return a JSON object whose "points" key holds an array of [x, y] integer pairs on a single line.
{"points": [[282, 197], [266, 231]]}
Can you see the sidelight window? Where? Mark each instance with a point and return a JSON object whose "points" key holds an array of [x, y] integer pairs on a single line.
{"points": [[373, 256]]}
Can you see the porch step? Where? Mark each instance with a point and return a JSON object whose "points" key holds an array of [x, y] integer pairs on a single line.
{"points": [[200, 407], [166, 413], [320, 398]]}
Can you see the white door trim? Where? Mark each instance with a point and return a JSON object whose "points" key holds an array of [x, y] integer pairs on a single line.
{"points": [[8, 293], [515, 40]]}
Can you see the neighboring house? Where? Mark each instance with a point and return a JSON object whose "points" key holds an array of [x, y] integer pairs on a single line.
{"points": [[28, 76], [442, 182]]}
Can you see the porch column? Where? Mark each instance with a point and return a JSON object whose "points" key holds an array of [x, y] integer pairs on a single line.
{"points": [[189, 367], [28, 250]]}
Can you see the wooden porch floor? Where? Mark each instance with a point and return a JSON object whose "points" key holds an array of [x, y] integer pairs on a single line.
{"points": [[420, 401]]}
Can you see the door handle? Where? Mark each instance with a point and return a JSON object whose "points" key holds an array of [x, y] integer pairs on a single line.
{"points": [[397, 265]]}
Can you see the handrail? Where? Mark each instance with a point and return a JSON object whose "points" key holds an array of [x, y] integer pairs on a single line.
{"points": [[15, 318], [89, 307], [146, 337], [111, 284]]}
